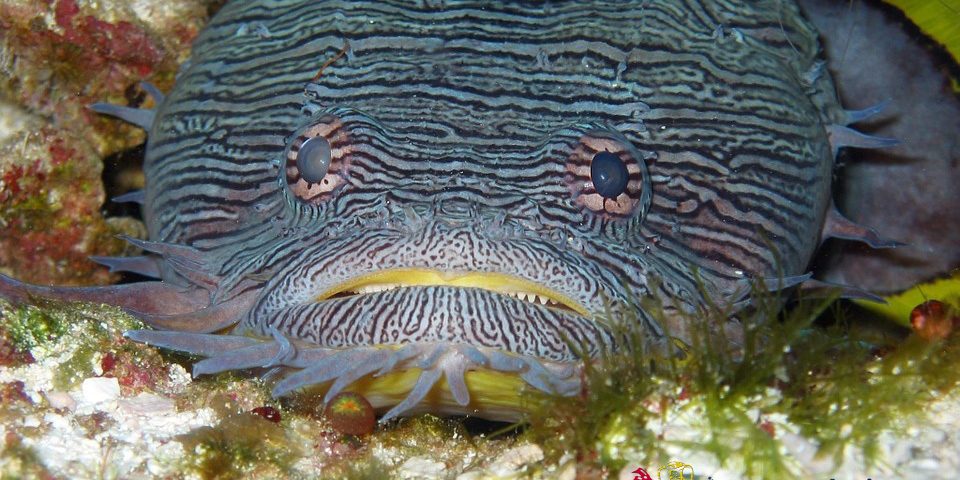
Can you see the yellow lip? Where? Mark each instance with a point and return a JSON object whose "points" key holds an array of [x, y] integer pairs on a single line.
{"points": [[418, 277]]}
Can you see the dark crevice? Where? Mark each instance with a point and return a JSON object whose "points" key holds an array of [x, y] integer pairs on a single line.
{"points": [[121, 172]]}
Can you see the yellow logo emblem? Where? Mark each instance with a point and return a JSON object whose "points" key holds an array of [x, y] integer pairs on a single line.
{"points": [[676, 471]]}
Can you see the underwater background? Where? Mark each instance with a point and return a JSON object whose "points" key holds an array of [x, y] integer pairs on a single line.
{"points": [[848, 389]]}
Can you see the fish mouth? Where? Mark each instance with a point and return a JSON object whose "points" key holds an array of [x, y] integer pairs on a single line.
{"points": [[500, 283]]}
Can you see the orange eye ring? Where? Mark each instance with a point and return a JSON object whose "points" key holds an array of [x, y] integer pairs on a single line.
{"points": [[616, 203], [317, 160]]}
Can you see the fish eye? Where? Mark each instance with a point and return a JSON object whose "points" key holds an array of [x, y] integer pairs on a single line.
{"points": [[317, 159], [608, 174], [313, 159]]}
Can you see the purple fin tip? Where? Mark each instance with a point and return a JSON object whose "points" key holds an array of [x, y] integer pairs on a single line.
{"points": [[136, 196], [203, 344], [838, 226], [846, 291], [153, 91], [140, 117], [142, 265], [841, 136], [854, 116]]}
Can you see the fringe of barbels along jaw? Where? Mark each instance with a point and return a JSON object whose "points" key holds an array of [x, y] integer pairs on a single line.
{"points": [[300, 365], [185, 317]]}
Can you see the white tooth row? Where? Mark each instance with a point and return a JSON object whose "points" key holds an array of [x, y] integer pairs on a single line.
{"points": [[376, 287], [532, 297], [528, 296]]}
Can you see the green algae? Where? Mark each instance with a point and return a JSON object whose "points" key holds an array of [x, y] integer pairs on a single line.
{"points": [[445, 440], [227, 393], [31, 327], [79, 366], [864, 392], [371, 469], [243, 445], [840, 386], [20, 461], [77, 334], [425, 434]]}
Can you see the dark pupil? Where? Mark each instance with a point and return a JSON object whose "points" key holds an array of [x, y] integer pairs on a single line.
{"points": [[609, 175], [313, 159]]}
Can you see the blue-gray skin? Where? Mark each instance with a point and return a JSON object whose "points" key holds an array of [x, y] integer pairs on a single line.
{"points": [[477, 152]]}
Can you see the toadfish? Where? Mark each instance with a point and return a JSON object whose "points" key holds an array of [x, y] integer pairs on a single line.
{"points": [[338, 191]]}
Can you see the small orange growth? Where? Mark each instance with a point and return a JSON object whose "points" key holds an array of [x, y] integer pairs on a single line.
{"points": [[768, 428], [351, 414], [933, 320]]}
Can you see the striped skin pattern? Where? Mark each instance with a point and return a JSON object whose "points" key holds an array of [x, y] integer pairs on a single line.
{"points": [[461, 138]]}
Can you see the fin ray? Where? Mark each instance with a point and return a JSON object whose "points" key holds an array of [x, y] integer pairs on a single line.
{"points": [[146, 297], [838, 226], [140, 117], [145, 265], [254, 356], [322, 371], [455, 375], [841, 136], [165, 249], [207, 319], [371, 362], [426, 381], [135, 196], [153, 91], [811, 287], [186, 261], [854, 116], [204, 344]]}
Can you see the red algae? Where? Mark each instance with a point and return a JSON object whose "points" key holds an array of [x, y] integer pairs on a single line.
{"points": [[49, 207], [268, 413], [135, 370], [769, 428], [69, 54], [79, 47], [107, 44], [12, 392], [10, 355], [107, 363]]}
